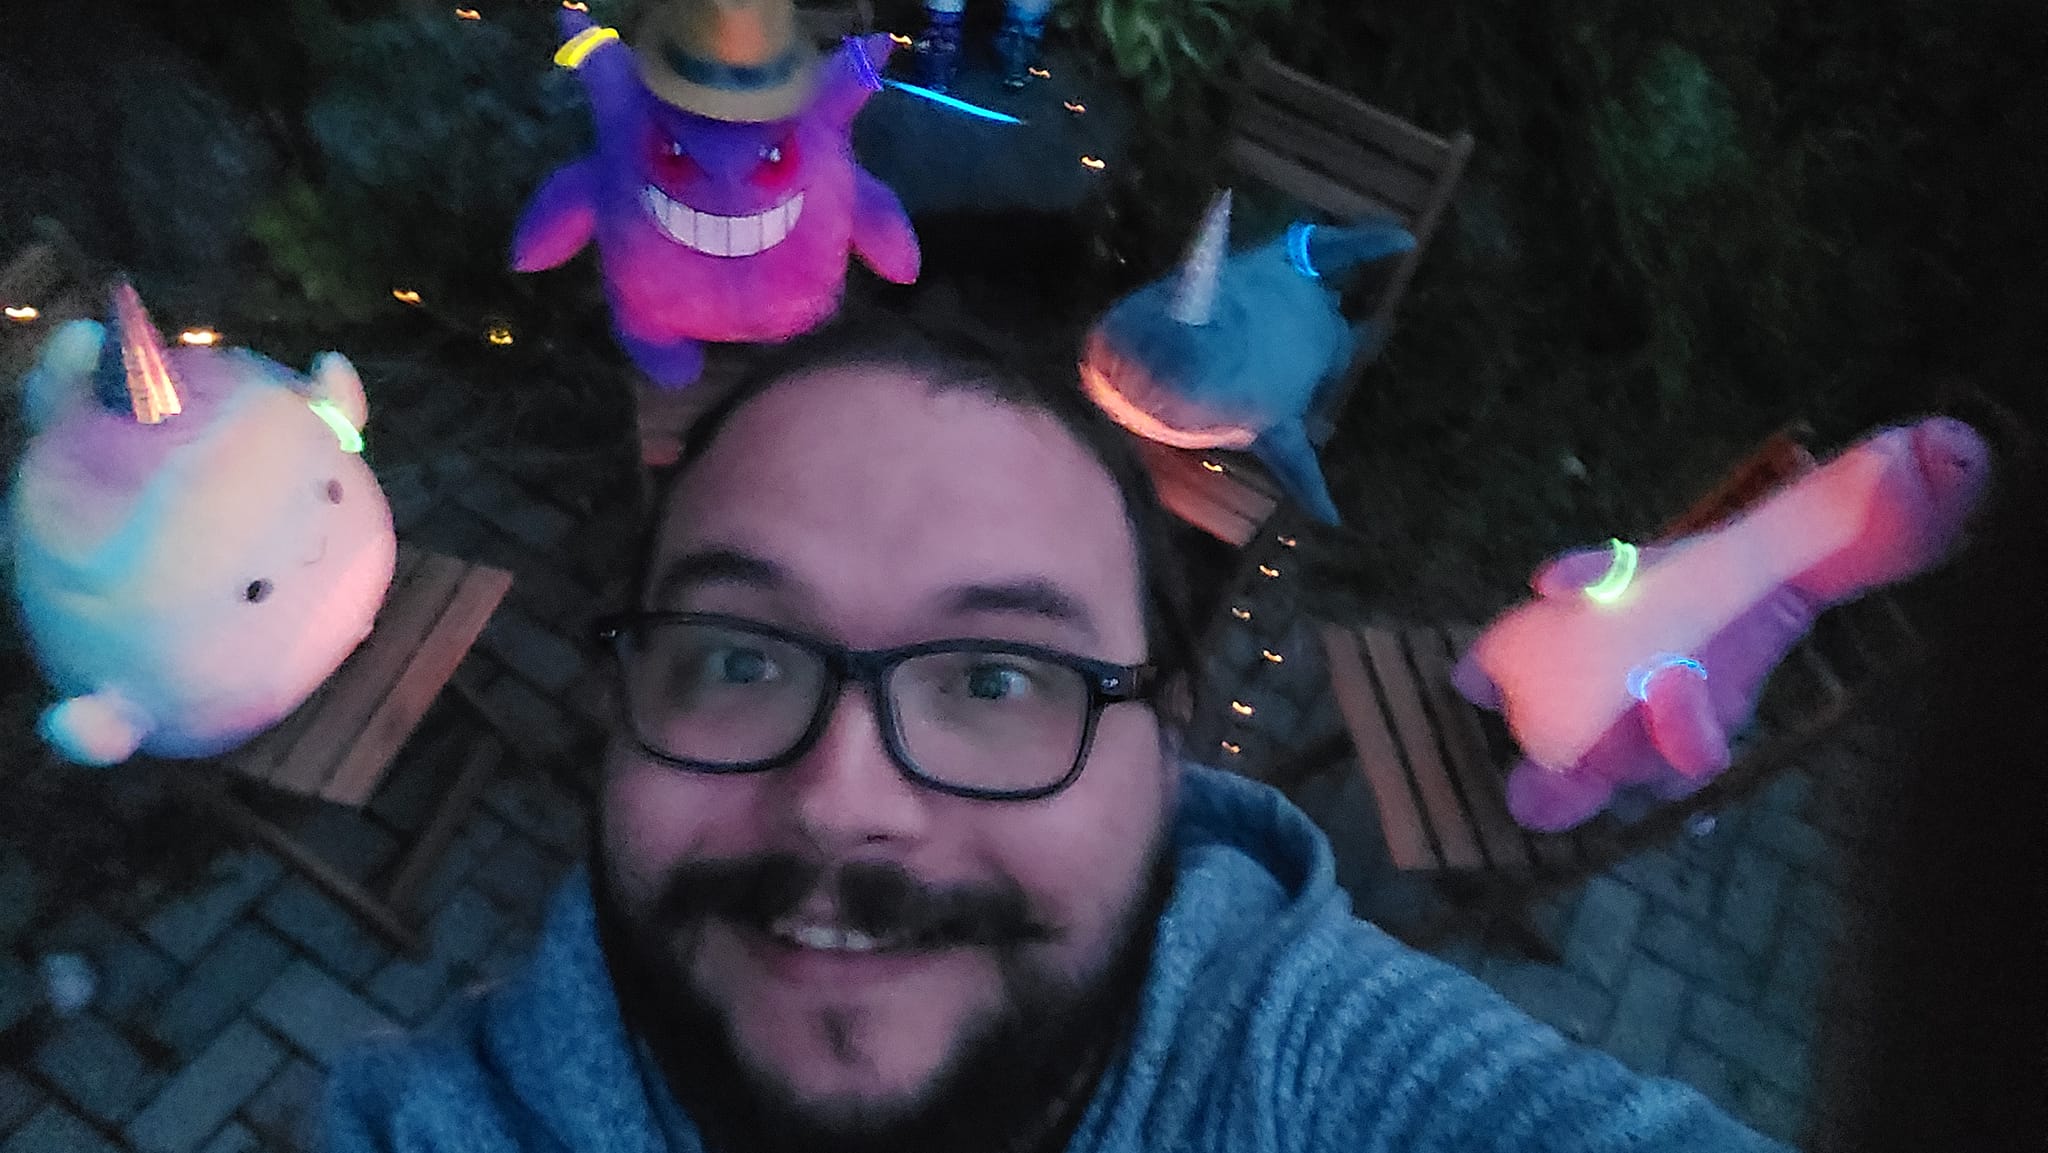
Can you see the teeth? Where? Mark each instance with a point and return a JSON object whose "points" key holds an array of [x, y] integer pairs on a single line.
{"points": [[826, 938], [715, 235]]}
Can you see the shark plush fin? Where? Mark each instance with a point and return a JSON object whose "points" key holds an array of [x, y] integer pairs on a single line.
{"points": [[1334, 251], [1680, 717], [1285, 449], [97, 730], [882, 235], [559, 220]]}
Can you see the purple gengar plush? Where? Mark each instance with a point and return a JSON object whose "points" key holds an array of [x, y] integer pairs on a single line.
{"points": [[713, 230], [1632, 666]]}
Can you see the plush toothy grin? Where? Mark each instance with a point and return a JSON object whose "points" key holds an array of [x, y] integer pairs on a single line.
{"points": [[715, 235]]}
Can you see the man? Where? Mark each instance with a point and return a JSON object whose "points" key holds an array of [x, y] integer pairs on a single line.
{"points": [[895, 850]]}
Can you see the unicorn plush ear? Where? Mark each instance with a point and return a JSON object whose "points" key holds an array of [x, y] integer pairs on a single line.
{"points": [[334, 380], [63, 371]]}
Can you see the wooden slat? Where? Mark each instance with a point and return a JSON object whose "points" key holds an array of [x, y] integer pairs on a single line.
{"points": [[1268, 79], [1465, 748], [1312, 187], [260, 758], [1401, 823], [1823, 672], [432, 662], [356, 690], [1909, 634], [1417, 741], [1185, 500], [1553, 850], [1324, 148]]}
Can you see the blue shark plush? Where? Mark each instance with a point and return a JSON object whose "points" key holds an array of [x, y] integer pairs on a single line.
{"points": [[1232, 351]]}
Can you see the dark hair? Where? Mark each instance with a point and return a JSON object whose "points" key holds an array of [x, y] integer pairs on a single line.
{"points": [[956, 362]]}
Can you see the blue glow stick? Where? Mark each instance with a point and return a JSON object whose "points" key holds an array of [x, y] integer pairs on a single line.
{"points": [[953, 102], [1639, 677], [1297, 250]]}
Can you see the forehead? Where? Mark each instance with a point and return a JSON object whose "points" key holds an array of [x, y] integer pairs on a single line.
{"points": [[878, 494]]}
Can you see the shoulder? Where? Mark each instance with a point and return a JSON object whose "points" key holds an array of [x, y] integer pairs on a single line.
{"points": [[413, 1094]]}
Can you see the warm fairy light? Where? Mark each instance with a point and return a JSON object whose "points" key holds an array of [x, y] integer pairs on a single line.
{"points": [[1076, 107], [1272, 656], [1212, 466], [499, 335], [901, 39], [328, 411], [1268, 571], [1288, 542], [405, 296], [1240, 614], [1232, 749], [1041, 73], [575, 5], [22, 313], [469, 14], [200, 337], [1242, 709], [578, 47], [1092, 162], [1621, 570]]}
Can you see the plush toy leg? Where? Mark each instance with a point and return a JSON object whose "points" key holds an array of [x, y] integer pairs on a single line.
{"points": [[99, 730], [1553, 802], [1017, 43], [668, 365], [938, 50]]}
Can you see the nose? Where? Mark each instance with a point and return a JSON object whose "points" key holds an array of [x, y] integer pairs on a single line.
{"points": [[1950, 453], [847, 792]]}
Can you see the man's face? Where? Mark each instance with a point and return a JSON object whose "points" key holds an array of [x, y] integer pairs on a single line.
{"points": [[877, 508]]}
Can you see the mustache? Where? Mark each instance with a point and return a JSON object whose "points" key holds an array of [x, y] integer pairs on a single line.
{"points": [[882, 900]]}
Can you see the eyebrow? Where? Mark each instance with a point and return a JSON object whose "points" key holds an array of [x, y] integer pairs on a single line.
{"points": [[1032, 597], [717, 566]]}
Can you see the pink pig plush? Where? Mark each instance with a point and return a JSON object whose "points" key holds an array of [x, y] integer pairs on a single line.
{"points": [[1632, 666]]}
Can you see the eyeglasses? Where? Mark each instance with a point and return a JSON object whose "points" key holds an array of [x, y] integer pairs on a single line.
{"points": [[975, 718]]}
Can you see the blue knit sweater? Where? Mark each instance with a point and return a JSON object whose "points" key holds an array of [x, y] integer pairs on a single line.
{"points": [[1273, 1021]]}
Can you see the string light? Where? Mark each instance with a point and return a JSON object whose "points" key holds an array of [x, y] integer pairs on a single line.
{"points": [[22, 313], [405, 296], [1272, 656], [577, 48], [1240, 614], [1041, 73], [575, 5], [1287, 542], [326, 410], [938, 97], [1621, 569], [1076, 107], [1268, 571], [1232, 749], [499, 335], [1212, 466], [1242, 709], [468, 14], [1092, 162], [200, 337], [901, 39]]}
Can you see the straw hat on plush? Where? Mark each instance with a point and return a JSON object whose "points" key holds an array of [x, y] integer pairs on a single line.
{"points": [[728, 59]]}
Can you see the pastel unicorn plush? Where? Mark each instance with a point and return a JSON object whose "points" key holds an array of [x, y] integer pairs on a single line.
{"points": [[197, 543], [1632, 666]]}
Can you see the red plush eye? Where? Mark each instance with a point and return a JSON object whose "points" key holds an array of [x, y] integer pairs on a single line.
{"points": [[778, 164], [668, 162]]}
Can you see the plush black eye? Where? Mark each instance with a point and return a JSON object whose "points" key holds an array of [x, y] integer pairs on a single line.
{"points": [[333, 491], [257, 592]]}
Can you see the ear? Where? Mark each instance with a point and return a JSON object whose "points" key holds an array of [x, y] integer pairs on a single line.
{"points": [[335, 381], [63, 370]]}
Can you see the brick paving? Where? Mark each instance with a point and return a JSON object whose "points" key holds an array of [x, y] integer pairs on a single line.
{"points": [[224, 995]]}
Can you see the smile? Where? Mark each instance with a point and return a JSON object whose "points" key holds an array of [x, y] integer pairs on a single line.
{"points": [[715, 235], [829, 938]]}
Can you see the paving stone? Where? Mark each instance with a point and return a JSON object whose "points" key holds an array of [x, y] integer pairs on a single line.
{"points": [[1792, 988], [20, 991], [510, 509], [96, 1069], [460, 934], [1813, 901], [527, 800], [316, 1013], [222, 984], [1790, 838], [1787, 794], [1709, 1072], [346, 839], [1649, 1014], [286, 1111], [1749, 1040], [207, 1091], [132, 972], [509, 958], [1750, 898], [479, 833], [1695, 950], [518, 875], [21, 895], [318, 924], [234, 1137], [1667, 880], [545, 660], [55, 1129], [1603, 931], [410, 494], [18, 1099], [1560, 998], [184, 927], [1771, 1112], [536, 725]]}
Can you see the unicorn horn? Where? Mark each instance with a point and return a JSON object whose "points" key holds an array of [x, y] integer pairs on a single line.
{"points": [[133, 366], [1194, 298]]}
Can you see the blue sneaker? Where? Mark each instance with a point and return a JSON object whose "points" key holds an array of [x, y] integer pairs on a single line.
{"points": [[938, 51]]}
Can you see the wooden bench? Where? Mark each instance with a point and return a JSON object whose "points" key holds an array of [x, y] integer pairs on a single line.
{"points": [[1434, 764], [338, 747], [1347, 160]]}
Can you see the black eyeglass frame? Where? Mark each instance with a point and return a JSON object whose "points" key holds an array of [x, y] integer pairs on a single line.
{"points": [[1107, 684]]}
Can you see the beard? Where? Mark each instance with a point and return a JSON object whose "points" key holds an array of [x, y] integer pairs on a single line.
{"points": [[1018, 1078]]}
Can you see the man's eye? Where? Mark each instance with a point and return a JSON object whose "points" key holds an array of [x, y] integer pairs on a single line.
{"points": [[739, 667], [994, 682]]}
